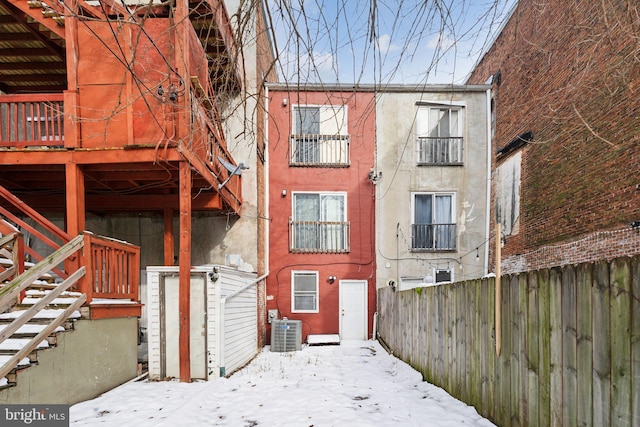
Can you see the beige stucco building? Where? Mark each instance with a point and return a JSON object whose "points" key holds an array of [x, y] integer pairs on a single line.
{"points": [[432, 184]]}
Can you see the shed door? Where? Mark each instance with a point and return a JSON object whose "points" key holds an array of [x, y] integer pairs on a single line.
{"points": [[353, 310], [170, 315]]}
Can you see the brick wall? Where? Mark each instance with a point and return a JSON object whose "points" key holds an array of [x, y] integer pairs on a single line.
{"points": [[570, 73], [265, 71], [600, 245]]}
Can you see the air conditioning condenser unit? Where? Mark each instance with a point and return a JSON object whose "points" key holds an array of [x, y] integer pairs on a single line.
{"points": [[286, 335]]}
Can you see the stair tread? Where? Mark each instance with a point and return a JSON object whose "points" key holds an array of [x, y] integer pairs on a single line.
{"points": [[5, 358], [42, 293], [11, 344], [42, 314], [56, 301], [31, 329]]}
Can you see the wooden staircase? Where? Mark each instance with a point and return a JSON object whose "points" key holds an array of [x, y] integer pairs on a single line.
{"points": [[30, 324], [39, 301], [52, 9]]}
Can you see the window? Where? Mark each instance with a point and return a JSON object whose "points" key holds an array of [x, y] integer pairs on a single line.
{"points": [[433, 225], [319, 136], [439, 132], [444, 275], [319, 223], [304, 291]]}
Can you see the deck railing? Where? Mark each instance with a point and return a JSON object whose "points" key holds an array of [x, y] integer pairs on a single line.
{"points": [[32, 120], [113, 266]]}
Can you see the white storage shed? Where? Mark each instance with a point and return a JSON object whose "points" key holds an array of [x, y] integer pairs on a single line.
{"points": [[223, 326]]}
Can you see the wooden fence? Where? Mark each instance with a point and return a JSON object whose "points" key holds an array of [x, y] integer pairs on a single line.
{"points": [[570, 343]]}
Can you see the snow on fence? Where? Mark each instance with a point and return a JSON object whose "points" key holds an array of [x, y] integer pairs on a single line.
{"points": [[570, 343]]}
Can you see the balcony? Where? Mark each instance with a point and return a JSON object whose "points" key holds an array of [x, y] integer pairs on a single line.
{"points": [[319, 237], [31, 121], [440, 151], [433, 237], [319, 150]]}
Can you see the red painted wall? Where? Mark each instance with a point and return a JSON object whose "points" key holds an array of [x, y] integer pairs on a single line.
{"points": [[359, 263]]}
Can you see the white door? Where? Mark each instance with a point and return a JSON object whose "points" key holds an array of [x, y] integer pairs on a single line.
{"points": [[170, 315], [353, 310]]}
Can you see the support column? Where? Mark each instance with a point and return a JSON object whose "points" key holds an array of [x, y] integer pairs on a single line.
{"points": [[168, 237], [184, 259], [75, 199], [75, 214]]}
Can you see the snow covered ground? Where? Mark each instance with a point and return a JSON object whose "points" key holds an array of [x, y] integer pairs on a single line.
{"points": [[354, 384]]}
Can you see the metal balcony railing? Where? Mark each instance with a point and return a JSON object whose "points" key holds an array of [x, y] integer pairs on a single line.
{"points": [[319, 150], [318, 237], [433, 237], [440, 150]]}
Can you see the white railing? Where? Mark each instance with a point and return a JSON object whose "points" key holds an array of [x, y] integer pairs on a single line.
{"points": [[440, 150], [319, 150], [316, 236]]}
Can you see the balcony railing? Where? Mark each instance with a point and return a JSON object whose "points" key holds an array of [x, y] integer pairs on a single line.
{"points": [[31, 120], [440, 150], [318, 237], [433, 237], [319, 150]]}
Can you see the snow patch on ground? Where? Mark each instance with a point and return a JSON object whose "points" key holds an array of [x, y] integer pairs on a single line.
{"points": [[356, 384]]}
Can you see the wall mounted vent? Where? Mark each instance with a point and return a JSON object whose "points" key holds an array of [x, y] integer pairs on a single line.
{"points": [[286, 335]]}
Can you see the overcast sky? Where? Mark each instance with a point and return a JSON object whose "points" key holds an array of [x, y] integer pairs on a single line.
{"points": [[404, 41]]}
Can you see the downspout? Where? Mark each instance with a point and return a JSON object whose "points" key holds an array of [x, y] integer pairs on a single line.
{"points": [[488, 209], [223, 301], [222, 307], [267, 187]]}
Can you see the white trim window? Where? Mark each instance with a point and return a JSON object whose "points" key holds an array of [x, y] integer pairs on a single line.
{"points": [[319, 222], [439, 135], [433, 226], [320, 136], [304, 292]]}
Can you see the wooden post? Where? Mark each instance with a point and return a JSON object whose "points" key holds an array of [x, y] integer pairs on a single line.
{"points": [[71, 119], [168, 237], [185, 272], [75, 213], [498, 290], [75, 199]]}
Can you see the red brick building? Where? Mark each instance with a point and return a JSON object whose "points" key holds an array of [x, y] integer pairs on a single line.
{"points": [[566, 147], [321, 209]]}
